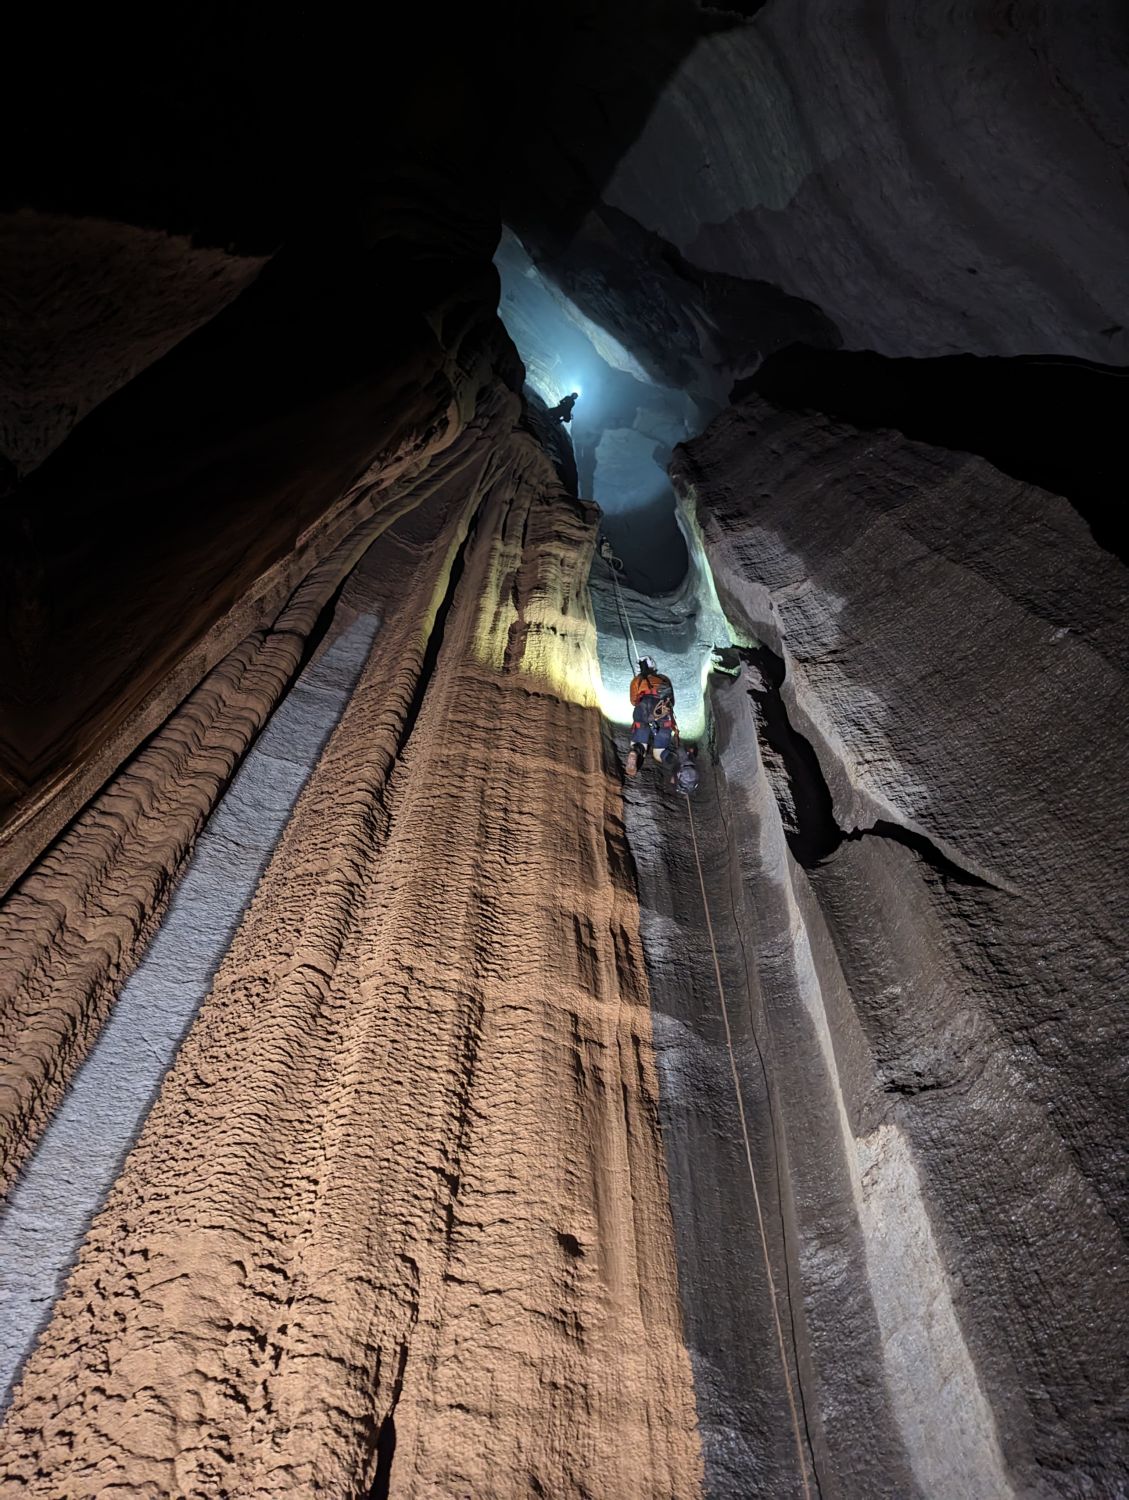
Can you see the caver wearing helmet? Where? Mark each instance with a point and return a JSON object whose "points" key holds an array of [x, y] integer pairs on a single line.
{"points": [[652, 721]]}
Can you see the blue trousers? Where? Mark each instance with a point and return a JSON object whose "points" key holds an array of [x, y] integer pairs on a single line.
{"points": [[656, 735]]}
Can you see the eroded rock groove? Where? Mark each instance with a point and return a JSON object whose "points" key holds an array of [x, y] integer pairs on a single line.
{"points": [[365, 1133], [48, 1210]]}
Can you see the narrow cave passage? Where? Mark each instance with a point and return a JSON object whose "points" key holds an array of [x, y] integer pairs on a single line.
{"points": [[656, 597], [659, 599], [625, 424]]}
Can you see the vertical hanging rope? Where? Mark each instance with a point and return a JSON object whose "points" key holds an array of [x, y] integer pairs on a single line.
{"points": [[625, 618], [800, 1459]]}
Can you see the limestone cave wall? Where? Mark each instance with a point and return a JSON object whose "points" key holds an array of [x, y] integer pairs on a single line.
{"points": [[926, 870], [399, 1208], [394, 1098]]}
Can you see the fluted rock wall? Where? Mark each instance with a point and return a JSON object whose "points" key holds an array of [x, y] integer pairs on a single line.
{"points": [[922, 771], [185, 511], [73, 928], [397, 1221]]}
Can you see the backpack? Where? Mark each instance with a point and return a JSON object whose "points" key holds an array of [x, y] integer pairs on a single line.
{"points": [[654, 685], [687, 777]]}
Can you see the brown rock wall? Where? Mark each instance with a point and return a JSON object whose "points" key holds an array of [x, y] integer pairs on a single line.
{"points": [[186, 510], [74, 927], [399, 1214]]}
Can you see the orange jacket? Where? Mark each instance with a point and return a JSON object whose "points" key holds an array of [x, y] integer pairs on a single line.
{"points": [[650, 685]]}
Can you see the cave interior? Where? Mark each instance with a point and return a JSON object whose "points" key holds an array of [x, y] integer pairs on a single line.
{"points": [[397, 1096]]}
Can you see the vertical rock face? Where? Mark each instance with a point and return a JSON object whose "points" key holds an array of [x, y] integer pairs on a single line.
{"points": [[184, 512], [859, 171], [936, 861], [74, 927], [326, 931], [397, 1221]]}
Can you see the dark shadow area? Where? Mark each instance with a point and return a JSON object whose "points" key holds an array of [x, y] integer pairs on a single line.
{"points": [[811, 830], [595, 73], [926, 850], [385, 1453], [299, 110], [1056, 422], [385, 1446]]}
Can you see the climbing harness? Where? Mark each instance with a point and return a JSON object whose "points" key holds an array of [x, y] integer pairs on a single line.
{"points": [[749, 1159]]}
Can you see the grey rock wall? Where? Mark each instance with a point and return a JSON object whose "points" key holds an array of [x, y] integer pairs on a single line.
{"points": [[918, 180], [924, 768]]}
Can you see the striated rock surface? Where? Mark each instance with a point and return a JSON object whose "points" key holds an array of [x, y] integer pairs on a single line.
{"points": [[73, 928], [1054, 422], [66, 1178], [136, 565], [398, 1221], [935, 873], [335, 965]]}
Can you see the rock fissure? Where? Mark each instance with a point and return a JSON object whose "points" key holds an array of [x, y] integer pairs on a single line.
{"points": [[804, 796]]}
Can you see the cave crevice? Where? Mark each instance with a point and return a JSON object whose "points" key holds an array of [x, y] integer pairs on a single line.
{"points": [[804, 796]]}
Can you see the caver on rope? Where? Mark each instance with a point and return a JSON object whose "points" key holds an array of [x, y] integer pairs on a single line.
{"points": [[654, 728], [653, 725]]}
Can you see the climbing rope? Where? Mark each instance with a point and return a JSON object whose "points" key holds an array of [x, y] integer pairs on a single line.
{"points": [[625, 618], [633, 649], [749, 1159]]}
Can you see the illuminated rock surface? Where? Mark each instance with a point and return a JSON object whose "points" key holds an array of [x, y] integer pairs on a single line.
{"points": [[938, 888], [372, 1121], [403, 1190]]}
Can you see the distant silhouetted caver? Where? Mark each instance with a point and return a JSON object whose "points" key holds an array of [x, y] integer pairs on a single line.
{"points": [[563, 409]]}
